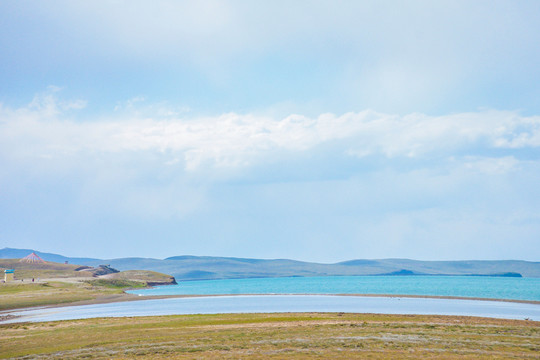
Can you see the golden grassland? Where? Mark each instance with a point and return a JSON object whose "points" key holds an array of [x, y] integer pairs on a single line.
{"points": [[20, 295], [27, 271], [274, 336]]}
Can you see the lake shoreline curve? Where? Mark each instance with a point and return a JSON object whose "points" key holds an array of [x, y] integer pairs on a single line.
{"points": [[126, 297]]}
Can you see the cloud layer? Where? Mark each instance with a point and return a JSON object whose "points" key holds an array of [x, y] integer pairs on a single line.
{"points": [[457, 186], [48, 128]]}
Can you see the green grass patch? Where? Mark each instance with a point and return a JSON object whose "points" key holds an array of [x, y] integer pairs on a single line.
{"points": [[116, 283], [141, 275], [21, 295], [15, 288]]}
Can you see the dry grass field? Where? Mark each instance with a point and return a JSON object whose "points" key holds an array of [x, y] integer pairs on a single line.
{"points": [[274, 336]]}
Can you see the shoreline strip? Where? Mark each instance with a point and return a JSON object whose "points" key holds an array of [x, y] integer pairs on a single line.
{"points": [[125, 297]]}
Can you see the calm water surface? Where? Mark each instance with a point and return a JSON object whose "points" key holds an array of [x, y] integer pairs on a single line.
{"points": [[461, 286], [289, 299], [286, 303]]}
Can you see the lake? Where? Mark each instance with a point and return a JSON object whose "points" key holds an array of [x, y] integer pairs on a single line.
{"points": [[459, 286], [314, 294], [285, 303]]}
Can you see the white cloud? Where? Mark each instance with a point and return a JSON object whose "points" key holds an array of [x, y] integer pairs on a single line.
{"points": [[47, 105], [46, 128], [492, 166]]}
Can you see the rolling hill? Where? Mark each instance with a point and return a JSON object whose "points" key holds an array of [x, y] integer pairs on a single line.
{"points": [[207, 267]]}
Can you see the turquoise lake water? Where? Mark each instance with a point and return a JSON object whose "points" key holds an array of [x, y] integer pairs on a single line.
{"points": [[462, 286]]}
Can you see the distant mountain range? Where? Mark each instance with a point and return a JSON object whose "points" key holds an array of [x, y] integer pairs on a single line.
{"points": [[208, 267]]}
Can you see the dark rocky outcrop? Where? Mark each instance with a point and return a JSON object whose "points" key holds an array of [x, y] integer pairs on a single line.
{"points": [[402, 272], [98, 271], [170, 281], [104, 270]]}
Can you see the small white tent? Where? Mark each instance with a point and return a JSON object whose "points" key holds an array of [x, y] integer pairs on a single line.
{"points": [[33, 258]]}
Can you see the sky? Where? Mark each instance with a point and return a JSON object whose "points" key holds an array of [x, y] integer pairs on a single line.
{"points": [[311, 130]]}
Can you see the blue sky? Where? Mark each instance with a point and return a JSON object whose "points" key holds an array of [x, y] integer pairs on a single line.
{"points": [[312, 130]]}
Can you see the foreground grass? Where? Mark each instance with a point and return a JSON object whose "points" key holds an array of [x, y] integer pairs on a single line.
{"points": [[307, 335]]}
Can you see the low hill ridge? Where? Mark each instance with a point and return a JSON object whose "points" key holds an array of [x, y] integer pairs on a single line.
{"points": [[76, 273], [189, 267]]}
